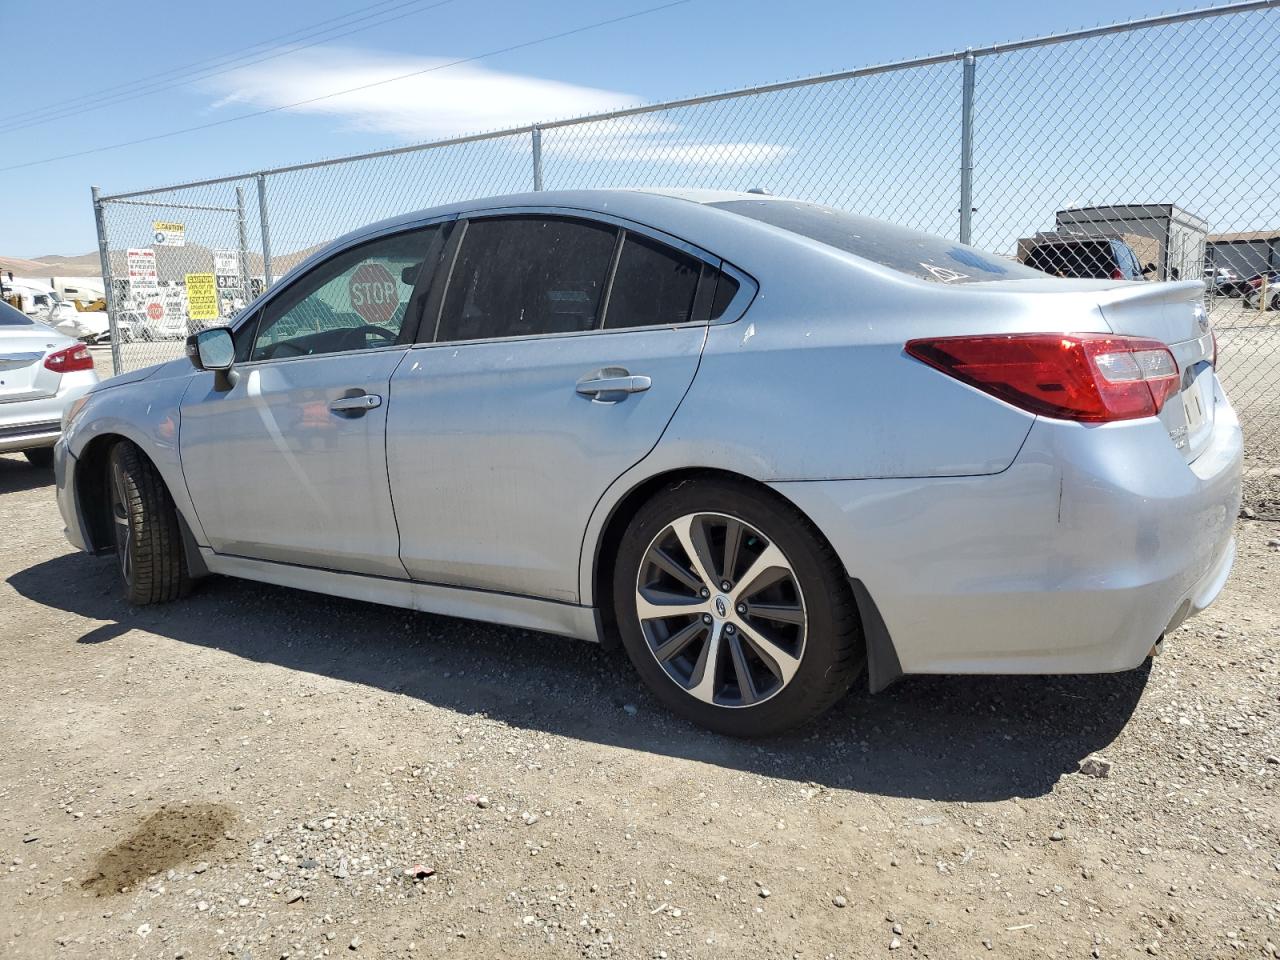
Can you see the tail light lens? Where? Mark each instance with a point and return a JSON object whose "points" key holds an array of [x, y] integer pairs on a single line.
{"points": [[1090, 377], [69, 359]]}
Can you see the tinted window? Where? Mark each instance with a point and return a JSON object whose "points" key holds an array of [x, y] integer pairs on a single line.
{"points": [[1075, 259], [9, 317], [726, 290], [519, 276], [355, 301], [654, 284], [920, 255]]}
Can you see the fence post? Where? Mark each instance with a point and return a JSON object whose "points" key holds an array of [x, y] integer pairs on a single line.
{"points": [[265, 228], [536, 134], [966, 149], [243, 236], [108, 294]]}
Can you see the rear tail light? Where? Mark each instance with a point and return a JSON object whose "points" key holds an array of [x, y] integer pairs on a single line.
{"points": [[1117, 274], [69, 359], [1090, 377]]}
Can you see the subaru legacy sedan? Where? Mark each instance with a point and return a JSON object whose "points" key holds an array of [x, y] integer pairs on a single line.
{"points": [[768, 446]]}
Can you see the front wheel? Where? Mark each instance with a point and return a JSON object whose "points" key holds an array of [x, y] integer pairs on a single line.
{"points": [[734, 609], [148, 539]]}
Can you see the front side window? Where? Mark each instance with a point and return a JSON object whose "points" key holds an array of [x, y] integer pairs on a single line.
{"points": [[358, 300], [523, 276], [653, 284]]}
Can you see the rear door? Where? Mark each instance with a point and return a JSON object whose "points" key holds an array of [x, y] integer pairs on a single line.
{"points": [[562, 349]]}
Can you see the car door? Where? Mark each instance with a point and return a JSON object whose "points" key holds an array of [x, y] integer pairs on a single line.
{"points": [[562, 348], [289, 464]]}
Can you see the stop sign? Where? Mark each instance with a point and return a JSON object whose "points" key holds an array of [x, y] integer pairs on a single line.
{"points": [[374, 294], [155, 311]]}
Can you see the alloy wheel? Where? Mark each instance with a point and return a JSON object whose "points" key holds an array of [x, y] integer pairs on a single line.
{"points": [[721, 610]]}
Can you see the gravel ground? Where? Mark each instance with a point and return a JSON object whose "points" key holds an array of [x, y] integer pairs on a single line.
{"points": [[262, 773]]}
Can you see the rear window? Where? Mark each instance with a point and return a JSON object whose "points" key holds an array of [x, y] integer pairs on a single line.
{"points": [[1075, 259], [920, 255], [10, 317]]}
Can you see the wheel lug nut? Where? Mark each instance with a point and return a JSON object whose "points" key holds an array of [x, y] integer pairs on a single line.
{"points": [[706, 618], [705, 593], [742, 608], [730, 628], [725, 585]]}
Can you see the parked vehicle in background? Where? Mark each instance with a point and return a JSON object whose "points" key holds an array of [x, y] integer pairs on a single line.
{"points": [[41, 373], [1256, 289], [767, 444], [1097, 258], [1223, 282], [91, 326]]}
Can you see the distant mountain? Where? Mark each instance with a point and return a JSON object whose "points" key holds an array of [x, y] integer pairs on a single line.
{"points": [[54, 265]]}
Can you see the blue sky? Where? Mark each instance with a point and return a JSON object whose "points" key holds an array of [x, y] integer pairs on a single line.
{"points": [[695, 47]]}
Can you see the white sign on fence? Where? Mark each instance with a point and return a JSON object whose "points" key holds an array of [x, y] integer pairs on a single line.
{"points": [[226, 263], [141, 264]]}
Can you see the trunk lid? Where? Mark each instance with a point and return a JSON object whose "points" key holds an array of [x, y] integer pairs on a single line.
{"points": [[1174, 314], [23, 375]]}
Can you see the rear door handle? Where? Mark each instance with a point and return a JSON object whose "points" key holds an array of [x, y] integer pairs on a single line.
{"points": [[611, 384], [357, 405]]}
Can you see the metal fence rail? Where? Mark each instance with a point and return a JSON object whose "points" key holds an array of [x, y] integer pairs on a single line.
{"points": [[1161, 133]]}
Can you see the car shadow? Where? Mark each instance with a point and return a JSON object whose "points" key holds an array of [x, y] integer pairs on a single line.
{"points": [[938, 738], [16, 474]]}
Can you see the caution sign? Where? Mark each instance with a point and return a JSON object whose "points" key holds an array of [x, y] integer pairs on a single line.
{"points": [[202, 297], [141, 263], [374, 294], [169, 233]]}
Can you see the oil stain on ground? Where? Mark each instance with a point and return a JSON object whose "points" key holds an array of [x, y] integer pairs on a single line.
{"points": [[170, 836]]}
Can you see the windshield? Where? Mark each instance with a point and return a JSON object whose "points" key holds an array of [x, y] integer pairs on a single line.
{"points": [[920, 255], [10, 317]]}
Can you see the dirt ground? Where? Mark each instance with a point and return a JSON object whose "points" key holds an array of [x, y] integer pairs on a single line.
{"points": [[262, 773]]}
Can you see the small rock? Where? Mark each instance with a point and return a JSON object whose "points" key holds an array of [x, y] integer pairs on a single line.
{"points": [[840, 901], [764, 893], [293, 896], [143, 930], [200, 867], [1057, 835], [630, 709], [1096, 767], [895, 943], [897, 928], [1273, 542], [482, 803], [419, 871], [988, 944], [355, 943], [1248, 514]]}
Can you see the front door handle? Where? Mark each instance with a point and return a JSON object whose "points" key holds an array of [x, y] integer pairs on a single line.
{"points": [[611, 384], [355, 406]]}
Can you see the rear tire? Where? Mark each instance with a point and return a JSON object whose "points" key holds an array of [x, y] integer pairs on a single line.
{"points": [[40, 457], [765, 633], [148, 538]]}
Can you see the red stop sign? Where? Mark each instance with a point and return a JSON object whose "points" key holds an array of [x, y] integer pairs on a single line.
{"points": [[374, 293], [155, 311]]}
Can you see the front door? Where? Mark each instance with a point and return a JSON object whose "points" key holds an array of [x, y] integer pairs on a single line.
{"points": [[290, 463], [562, 351]]}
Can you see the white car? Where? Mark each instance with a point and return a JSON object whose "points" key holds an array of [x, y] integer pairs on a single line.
{"points": [[41, 373]]}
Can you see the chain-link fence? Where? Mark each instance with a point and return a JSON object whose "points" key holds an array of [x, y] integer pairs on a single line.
{"points": [[1145, 150]]}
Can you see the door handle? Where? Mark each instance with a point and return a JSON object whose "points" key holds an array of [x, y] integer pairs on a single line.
{"points": [[612, 381], [356, 405]]}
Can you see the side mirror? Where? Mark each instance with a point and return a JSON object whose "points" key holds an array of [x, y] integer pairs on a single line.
{"points": [[214, 350]]}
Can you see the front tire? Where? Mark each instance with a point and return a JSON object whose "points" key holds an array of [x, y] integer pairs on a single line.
{"points": [[734, 610], [148, 539]]}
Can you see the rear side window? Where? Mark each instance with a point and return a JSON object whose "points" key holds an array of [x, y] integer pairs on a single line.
{"points": [[920, 255], [654, 284], [9, 317], [522, 276]]}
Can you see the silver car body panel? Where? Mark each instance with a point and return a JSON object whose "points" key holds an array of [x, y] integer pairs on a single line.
{"points": [[33, 397], [990, 540]]}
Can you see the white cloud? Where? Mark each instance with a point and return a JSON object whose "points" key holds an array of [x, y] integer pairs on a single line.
{"points": [[461, 99], [469, 98]]}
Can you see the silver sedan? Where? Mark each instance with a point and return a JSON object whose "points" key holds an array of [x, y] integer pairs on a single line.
{"points": [[41, 373], [767, 445]]}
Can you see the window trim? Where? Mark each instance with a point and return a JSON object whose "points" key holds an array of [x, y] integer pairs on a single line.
{"points": [[747, 286], [420, 296]]}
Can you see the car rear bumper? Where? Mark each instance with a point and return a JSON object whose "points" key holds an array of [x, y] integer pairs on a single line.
{"points": [[29, 424], [1076, 559]]}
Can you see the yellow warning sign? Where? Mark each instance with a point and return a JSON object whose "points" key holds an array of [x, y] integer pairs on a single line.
{"points": [[202, 296]]}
